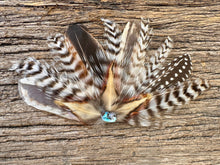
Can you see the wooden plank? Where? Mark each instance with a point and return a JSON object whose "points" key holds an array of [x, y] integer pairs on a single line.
{"points": [[189, 136]]}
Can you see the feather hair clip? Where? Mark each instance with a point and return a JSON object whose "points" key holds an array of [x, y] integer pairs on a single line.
{"points": [[119, 82]]}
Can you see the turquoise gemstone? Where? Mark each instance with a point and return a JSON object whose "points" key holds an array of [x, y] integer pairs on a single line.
{"points": [[109, 117]]}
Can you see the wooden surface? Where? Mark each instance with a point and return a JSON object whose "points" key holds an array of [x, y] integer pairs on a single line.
{"points": [[189, 136]]}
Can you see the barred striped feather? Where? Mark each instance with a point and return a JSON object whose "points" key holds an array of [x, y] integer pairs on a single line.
{"points": [[162, 102], [68, 60], [135, 73], [131, 58], [156, 61], [145, 34], [120, 82], [112, 39], [48, 80]]}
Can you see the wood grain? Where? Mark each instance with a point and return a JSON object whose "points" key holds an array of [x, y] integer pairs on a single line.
{"points": [[189, 136]]}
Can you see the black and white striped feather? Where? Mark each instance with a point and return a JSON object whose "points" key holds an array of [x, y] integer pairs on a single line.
{"points": [[118, 82]]}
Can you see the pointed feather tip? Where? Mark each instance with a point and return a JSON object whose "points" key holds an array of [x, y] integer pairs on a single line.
{"points": [[75, 28], [14, 66], [203, 83], [53, 38], [169, 39], [145, 21], [106, 20]]}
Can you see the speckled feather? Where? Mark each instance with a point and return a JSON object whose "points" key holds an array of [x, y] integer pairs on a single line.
{"points": [[117, 82]]}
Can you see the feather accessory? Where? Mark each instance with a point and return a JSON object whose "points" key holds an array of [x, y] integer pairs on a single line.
{"points": [[117, 82]]}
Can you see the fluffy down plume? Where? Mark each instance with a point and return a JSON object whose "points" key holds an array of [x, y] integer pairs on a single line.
{"points": [[119, 82]]}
